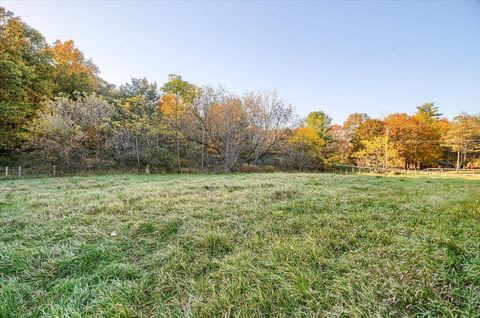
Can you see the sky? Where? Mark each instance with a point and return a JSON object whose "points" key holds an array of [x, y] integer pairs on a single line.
{"points": [[341, 57]]}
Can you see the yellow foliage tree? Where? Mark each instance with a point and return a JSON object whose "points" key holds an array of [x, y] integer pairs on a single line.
{"points": [[308, 144], [72, 71], [173, 109], [376, 152]]}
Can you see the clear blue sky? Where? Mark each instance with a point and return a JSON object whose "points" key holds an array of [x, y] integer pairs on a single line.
{"points": [[341, 57]]}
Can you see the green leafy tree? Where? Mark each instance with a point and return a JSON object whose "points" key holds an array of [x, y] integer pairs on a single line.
{"points": [[321, 123], [430, 110], [26, 78], [138, 121], [179, 98], [185, 91], [312, 141]]}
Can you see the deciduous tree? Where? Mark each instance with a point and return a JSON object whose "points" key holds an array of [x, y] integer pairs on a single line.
{"points": [[464, 137], [25, 81], [376, 152], [73, 132], [416, 141], [73, 73]]}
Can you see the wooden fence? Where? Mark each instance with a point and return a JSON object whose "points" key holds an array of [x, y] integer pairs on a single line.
{"points": [[350, 169], [18, 172]]}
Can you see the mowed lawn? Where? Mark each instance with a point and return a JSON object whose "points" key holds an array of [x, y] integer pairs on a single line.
{"points": [[240, 245]]}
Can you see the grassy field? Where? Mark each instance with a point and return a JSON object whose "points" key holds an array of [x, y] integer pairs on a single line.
{"points": [[282, 245]]}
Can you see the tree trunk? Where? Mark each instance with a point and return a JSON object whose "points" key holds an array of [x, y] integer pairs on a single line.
{"points": [[203, 145], [458, 159], [178, 154], [226, 157], [136, 150]]}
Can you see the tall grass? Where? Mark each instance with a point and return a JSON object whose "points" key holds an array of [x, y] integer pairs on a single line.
{"points": [[278, 245]]}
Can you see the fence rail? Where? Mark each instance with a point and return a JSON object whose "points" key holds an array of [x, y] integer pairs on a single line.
{"points": [[19, 172], [349, 169]]}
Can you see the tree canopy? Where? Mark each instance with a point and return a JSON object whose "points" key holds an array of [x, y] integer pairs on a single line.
{"points": [[56, 109]]}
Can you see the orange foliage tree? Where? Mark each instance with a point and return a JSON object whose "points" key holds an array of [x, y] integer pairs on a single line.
{"points": [[416, 141], [72, 71]]}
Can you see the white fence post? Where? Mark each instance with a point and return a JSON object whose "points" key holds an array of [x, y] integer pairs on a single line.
{"points": [[6, 171], [19, 172]]}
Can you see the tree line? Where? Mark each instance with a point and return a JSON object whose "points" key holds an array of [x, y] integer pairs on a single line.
{"points": [[56, 109]]}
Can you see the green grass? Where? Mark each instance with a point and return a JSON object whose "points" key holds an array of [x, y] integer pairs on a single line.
{"points": [[240, 245]]}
